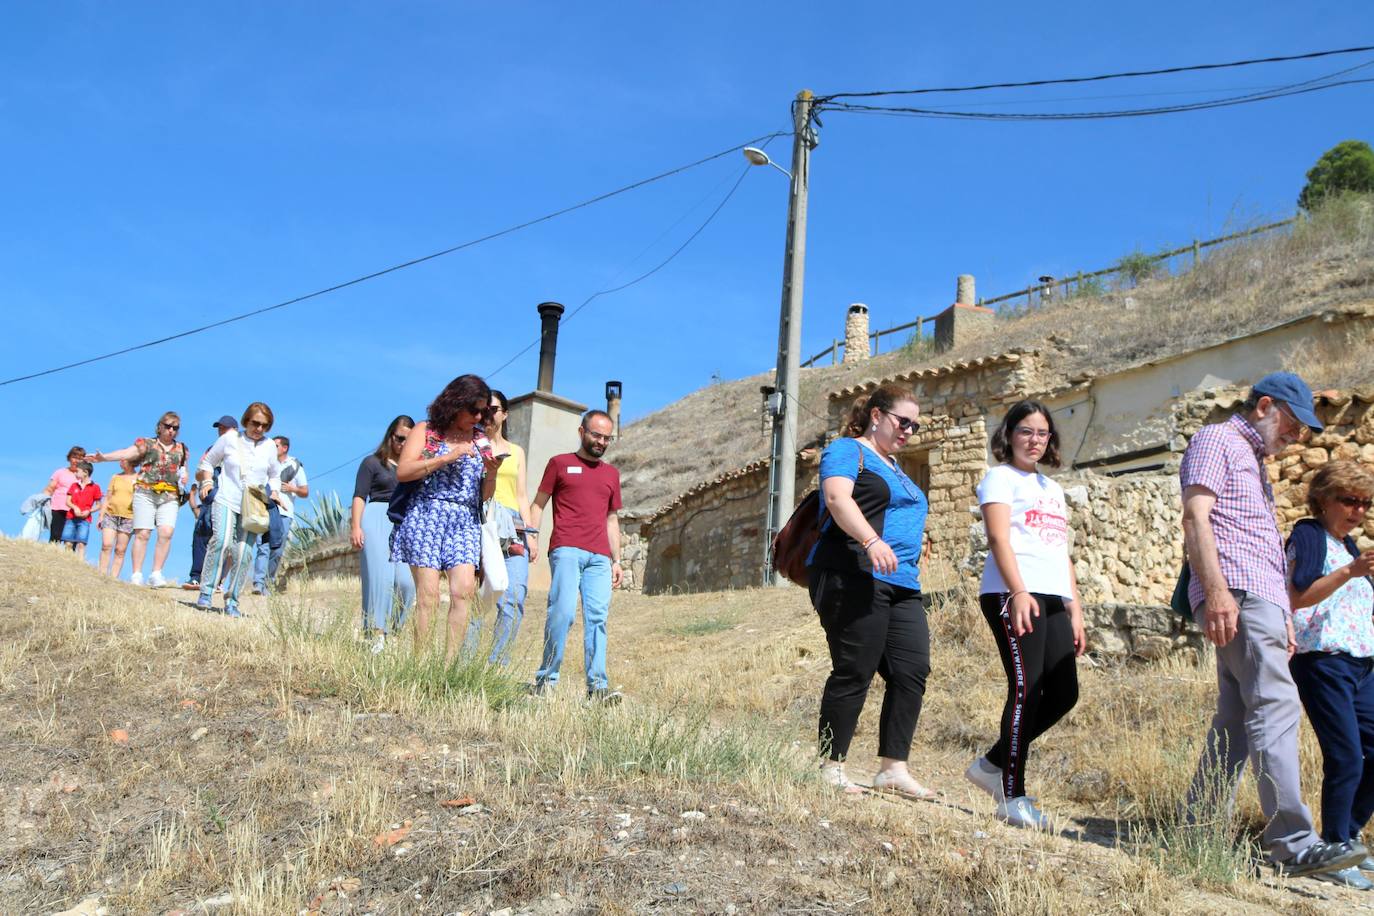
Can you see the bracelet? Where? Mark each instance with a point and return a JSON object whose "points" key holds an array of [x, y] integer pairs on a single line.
{"points": [[870, 542]]}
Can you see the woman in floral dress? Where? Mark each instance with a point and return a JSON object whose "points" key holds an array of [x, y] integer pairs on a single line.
{"points": [[442, 529]]}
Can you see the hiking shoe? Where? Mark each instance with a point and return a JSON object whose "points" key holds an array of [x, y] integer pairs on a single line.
{"points": [[1321, 857], [155, 579], [136, 578], [605, 696], [1347, 877], [1021, 812], [986, 777]]}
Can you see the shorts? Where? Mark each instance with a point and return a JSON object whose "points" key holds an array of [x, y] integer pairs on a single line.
{"points": [[76, 530], [117, 523], [155, 509]]}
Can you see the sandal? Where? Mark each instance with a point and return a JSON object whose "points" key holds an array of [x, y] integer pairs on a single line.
{"points": [[832, 774], [903, 785]]}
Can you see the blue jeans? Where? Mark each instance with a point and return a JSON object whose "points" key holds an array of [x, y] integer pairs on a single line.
{"points": [[1337, 691], [510, 608], [270, 550], [575, 572]]}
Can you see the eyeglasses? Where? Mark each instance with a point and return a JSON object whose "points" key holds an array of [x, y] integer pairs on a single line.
{"points": [[496, 408], [906, 424], [1036, 435], [1304, 431], [597, 437], [171, 427], [260, 424], [1354, 502]]}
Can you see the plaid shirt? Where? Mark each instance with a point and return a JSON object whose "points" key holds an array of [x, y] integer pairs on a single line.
{"points": [[1228, 460]]}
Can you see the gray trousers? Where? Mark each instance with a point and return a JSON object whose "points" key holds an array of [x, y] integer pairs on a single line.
{"points": [[1257, 717]]}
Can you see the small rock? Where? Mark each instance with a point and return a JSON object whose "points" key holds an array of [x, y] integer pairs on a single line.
{"points": [[731, 909], [199, 733], [693, 815], [471, 809], [88, 907], [465, 802], [677, 888], [214, 903], [119, 736]]}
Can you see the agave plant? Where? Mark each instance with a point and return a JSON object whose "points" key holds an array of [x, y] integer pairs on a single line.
{"points": [[324, 522]]}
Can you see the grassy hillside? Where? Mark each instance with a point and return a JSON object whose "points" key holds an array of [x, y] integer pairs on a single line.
{"points": [[160, 759], [1323, 263]]}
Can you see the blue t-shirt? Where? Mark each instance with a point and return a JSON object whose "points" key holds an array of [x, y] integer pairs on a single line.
{"points": [[893, 505]]}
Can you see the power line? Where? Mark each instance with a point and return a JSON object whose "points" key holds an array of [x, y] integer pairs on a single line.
{"points": [[1283, 92], [1128, 74], [395, 267]]}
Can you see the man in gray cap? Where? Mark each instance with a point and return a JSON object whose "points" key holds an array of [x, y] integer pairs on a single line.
{"points": [[200, 535], [1239, 595]]}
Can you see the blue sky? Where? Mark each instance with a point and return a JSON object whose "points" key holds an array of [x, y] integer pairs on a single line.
{"points": [[170, 164]]}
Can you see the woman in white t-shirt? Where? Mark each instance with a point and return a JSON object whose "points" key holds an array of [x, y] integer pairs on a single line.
{"points": [[1029, 597]]}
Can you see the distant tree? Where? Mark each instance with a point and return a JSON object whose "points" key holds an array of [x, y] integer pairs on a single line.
{"points": [[1347, 166]]}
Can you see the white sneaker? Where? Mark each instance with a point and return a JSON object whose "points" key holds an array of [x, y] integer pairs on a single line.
{"points": [[136, 578], [986, 777], [378, 644], [1021, 812], [155, 579]]}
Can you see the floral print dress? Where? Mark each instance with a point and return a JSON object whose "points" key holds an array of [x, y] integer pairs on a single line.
{"points": [[443, 528]]}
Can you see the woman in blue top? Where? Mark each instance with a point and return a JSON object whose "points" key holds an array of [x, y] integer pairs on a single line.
{"points": [[1333, 604], [866, 588]]}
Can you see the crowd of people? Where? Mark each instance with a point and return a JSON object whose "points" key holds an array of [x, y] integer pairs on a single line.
{"points": [[1293, 625]]}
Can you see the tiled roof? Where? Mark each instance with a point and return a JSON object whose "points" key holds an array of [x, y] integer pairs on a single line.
{"points": [[1008, 358]]}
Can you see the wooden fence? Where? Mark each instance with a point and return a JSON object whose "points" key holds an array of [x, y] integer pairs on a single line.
{"points": [[1052, 290]]}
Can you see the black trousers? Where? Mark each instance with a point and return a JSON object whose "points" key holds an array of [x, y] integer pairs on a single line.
{"points": [[1042, 682], [59, 521], [872, 628]]}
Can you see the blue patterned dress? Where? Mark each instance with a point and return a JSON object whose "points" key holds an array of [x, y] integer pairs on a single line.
{"points": [[443, 528]]}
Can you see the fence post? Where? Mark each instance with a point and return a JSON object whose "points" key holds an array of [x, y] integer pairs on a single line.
{"points": [[834, 351], [1197, 252]]}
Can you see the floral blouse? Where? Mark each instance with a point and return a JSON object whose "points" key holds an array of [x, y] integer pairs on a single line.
{"points": [[1344, 622], [162, 468]]}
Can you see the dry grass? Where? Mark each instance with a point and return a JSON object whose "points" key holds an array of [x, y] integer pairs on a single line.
{"points": [[306, 774], [1325, 262]]}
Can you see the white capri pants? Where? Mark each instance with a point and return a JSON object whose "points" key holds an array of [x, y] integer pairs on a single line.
{"points": [[154, 509]]}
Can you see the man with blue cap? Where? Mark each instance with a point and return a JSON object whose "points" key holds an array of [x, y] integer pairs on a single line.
{"points": [[1239, 595]]}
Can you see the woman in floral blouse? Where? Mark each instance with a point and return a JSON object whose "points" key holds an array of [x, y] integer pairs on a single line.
{"points": [[161, 461], [1333, 626]]}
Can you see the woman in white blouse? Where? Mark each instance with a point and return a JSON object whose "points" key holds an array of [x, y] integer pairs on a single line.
{"points": [[247, 460]]}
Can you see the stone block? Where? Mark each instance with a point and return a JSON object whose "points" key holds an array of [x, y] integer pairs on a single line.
{"points": [[1315, 457]]}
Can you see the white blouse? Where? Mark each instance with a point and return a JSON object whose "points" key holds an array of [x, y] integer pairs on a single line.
{"points": [[241, 459]]}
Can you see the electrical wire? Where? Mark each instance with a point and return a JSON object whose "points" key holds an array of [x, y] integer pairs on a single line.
{"points": [[1128, 74], [393, 268]]}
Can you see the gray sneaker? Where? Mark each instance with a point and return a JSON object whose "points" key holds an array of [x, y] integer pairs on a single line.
{"points": [[1021, 812], [986, 777], [1346, 877]]}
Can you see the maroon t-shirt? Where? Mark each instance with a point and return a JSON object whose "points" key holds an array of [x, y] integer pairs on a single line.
{"points": [[584, 493]]}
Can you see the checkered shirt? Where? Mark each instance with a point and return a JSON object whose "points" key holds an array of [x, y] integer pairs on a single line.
{"points": [[1228, 460]]}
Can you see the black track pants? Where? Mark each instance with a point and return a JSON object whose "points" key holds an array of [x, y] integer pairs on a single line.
{"points": [[872, 628], [1042, 682]]}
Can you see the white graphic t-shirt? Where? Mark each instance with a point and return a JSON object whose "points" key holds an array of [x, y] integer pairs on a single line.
{"points": [[1039, 530]]}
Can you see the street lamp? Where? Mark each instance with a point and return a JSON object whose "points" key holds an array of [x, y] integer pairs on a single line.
{"points": [[782, 471]]}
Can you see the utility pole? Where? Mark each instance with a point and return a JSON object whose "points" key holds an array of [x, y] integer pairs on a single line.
{"points": [[782, 475]]}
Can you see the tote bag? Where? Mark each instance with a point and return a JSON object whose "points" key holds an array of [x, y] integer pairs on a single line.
{"points": [[253, 514]]}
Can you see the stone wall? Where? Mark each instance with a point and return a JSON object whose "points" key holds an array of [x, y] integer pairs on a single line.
{"points": [[337, 558]]}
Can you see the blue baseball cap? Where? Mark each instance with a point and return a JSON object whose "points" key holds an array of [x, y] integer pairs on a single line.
{"points": [[1293, 391], [226, 422]]}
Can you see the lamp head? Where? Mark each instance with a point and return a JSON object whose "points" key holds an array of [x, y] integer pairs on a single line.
{"points": [[756, 156]]}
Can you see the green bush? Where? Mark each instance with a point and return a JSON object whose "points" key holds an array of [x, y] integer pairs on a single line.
{"points": [[1347, 166], [1136, 267]]}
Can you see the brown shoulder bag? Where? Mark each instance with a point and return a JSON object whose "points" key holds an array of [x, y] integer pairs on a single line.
{"points": [[793, 544]]}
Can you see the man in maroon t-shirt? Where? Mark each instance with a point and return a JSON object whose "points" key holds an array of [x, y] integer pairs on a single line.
{"points": [[584, 552]]}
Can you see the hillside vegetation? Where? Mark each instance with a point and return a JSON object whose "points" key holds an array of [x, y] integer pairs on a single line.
{"points": [[1324, 262], [159, 759]]}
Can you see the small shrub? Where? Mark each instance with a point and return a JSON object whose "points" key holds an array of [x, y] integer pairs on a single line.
{"points": [[1347, 166], [1136, 267], [1088, 287], [703, 626]]}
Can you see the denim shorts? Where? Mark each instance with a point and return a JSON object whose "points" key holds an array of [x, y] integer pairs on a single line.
{"points": [[76, 530]]}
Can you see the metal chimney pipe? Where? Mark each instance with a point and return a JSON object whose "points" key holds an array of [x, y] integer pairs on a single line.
{"points": [[549, 314], [613, 406]]}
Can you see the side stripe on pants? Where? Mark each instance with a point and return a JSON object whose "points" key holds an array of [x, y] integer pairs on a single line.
{"points": [[1018, 710], [228, 544]]}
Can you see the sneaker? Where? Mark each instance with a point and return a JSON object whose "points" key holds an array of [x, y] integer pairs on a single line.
{"points": [[1321, 857], [155, 580], [191, 585], [1021, 812], [231, 608], [378, 644], [1347, 877], [1367, 864], [986, 777], [136, 578], [203, 603], [259, 589], [605, 696]]}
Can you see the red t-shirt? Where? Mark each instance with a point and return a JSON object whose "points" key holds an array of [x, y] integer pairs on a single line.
{"points": [[79, 497], [584, 493]]}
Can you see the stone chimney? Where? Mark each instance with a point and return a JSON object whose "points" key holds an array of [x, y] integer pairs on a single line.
{"points": [[964, 319], [856, 334], [613, 406], [549, 314]]}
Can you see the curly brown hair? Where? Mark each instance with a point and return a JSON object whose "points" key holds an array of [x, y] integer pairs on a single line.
{"points": [[1336, 479], [466, 391], [884, 397], [1001, 438]]}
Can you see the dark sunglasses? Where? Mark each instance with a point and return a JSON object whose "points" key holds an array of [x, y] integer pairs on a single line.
{"points": [[399, 440], [907, 424], [171, 427], [1354, 502], [483, 411]]}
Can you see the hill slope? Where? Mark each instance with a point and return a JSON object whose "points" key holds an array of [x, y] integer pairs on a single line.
{"points": [[1324, 263]]}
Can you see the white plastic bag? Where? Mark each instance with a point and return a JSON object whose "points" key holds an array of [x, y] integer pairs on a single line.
{"points": [[494, 576]]}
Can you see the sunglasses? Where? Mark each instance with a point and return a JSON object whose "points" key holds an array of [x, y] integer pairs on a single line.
{"points": [[482, 411], [1354, 502], [169, 426], [906, 424], [261, 424], [399, 440]]}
